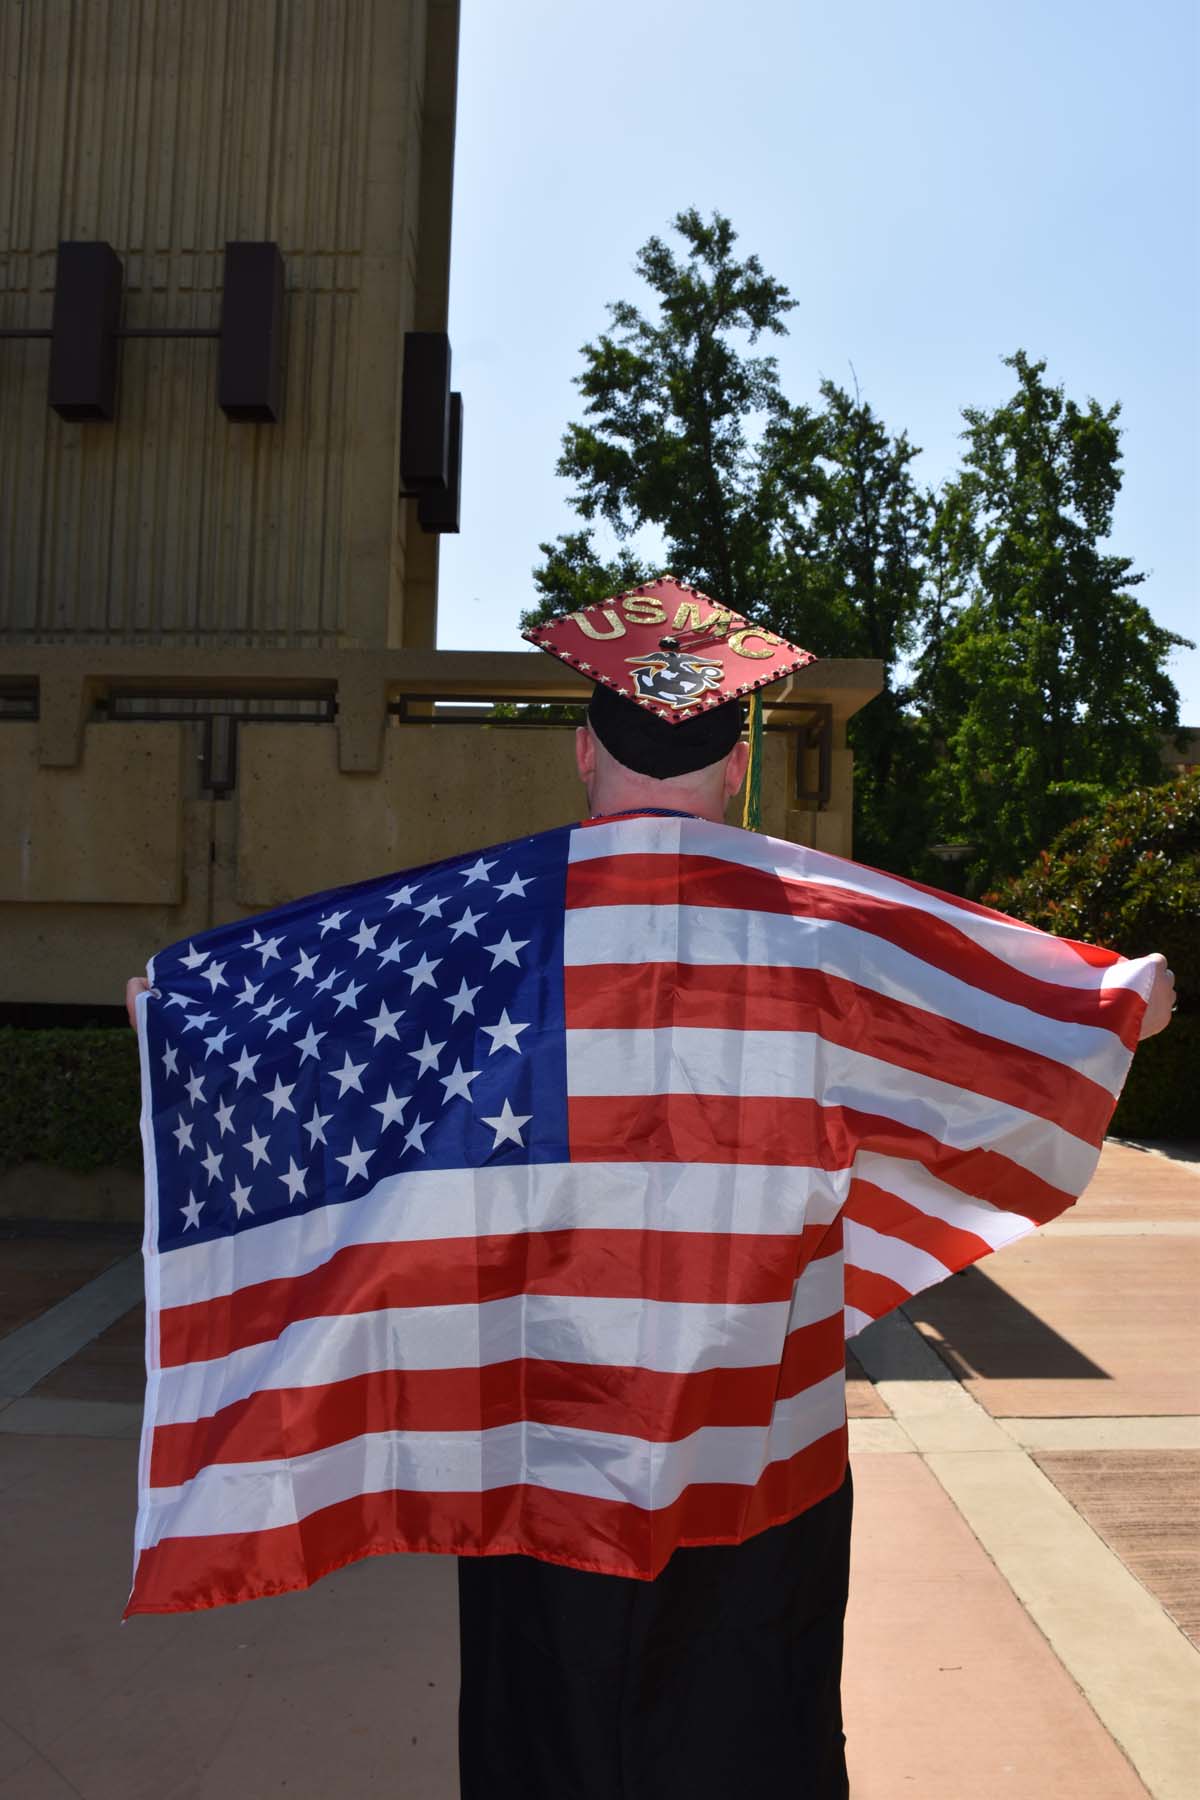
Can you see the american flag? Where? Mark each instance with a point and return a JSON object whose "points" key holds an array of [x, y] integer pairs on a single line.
{"points": [[523, 1202]]}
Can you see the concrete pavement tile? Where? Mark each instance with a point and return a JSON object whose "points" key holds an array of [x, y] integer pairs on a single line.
{"points": [[951, 1692], [112, 1367], [38, 1780], [862, 1402], [1146, 1507], [15, 1753], [306, 1695], [1135, 1184], [1074, 1326], [37, 1272]]}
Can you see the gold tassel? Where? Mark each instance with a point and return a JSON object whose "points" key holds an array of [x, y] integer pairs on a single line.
{"points": [[752, 806]]}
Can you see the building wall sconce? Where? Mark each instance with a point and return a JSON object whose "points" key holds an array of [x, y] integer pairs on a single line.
{"points": [[431, 423], [86, 328]]}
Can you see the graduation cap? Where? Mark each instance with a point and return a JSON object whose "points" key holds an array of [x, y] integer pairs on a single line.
{"points": [[671, 669]]}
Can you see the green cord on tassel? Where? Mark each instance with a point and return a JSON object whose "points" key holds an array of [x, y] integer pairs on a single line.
{"points": [[752, 807]]}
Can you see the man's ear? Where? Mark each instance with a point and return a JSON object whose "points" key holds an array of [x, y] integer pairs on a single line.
{"points": [[585, 753], [735, 767]]}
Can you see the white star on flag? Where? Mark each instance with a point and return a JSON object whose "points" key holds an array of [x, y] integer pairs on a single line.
{"points": [[307, 1045], [514, 887], [211, 1162], [241, 1198], [269, 948], [294, 1180], [392, 953], [214, 977], [402, 897], [191, 1211], [282, 1020], [458, 1082], [306, 968], [478, 871], [257, 1148], [315, 1126], [217, 1042], [506, 950], [195, 959], [432, 909], [384, 1022], [224, 1117], [331, 922], [347, 1076], [463, 1001], [422, 973], [246, 997], [467, 923], [349, 995], [280, 1097], [390, 1110], [244, 1066], [504, 1034], [365, 936], [195, 1087], [170, 1059], [416, 1137], [507, 1126], [427, 1055], [183, 1133], [356, 1162]]}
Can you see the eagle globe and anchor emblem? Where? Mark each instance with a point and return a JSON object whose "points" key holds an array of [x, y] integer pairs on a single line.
{"points": [[672, 676]]}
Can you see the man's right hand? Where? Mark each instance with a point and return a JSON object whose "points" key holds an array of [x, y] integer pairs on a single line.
{"points": [[136, 985]]}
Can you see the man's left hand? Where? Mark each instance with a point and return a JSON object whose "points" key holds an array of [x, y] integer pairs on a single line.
{"points": [[1161, 1003]]}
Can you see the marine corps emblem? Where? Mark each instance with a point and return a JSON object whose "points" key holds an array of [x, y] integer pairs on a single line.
{"points": [[672, 676]]}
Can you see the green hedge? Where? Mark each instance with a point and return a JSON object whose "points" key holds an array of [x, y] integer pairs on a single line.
{"points": [[70, 1098], [1128, 876]]}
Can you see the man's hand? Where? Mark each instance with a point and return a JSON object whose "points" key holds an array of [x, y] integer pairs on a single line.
{"points": [[136, 985], [1161, 1003]]}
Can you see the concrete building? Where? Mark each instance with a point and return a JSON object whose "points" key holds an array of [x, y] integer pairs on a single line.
{"points": [[219, 686]]}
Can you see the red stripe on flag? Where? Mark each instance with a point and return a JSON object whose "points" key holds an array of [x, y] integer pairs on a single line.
{"points": [[646, 880], [871, 1293], [733, 997], [721, 1128], [696, 1266], [888, 1213], [275, 1424], [612, 1537]]}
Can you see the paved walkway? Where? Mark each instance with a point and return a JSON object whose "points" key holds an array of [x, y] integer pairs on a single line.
{"points": [[1025, 1605]]}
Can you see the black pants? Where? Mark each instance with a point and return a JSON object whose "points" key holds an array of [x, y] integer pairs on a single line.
{"points": [[720, 1680]]}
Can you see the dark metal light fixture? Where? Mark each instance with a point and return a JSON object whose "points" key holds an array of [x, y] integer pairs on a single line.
{"points": [[425, 413], [85, 331], [438, 511]]}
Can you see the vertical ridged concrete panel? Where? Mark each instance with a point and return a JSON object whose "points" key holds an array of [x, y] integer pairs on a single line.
{"points": [[167, 128]]}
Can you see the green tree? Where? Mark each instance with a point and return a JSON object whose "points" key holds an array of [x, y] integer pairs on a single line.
{"points": [[855, 568], [1048, 687], [807, 521], [677, 433]]}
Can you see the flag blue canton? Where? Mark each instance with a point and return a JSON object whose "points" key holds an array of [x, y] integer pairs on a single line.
{"points": [[414, 1021]]}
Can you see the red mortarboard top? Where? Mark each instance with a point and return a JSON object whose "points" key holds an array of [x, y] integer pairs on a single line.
{"points": [[670, 649]]}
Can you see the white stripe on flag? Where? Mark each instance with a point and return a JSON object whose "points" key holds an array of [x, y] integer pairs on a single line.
{"points": [[708, 935], [245, 1497], [798, 1065], [747, 1199], [1035, 952], [676, 1337]]}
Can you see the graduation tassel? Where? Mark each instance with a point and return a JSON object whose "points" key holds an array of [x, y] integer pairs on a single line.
{"points": [[752, 807]]}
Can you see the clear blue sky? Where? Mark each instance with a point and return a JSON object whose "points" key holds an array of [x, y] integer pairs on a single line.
{"points": [[938, 184]]}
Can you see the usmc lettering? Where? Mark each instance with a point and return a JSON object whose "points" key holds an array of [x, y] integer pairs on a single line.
{"points": [[737, 642], [643, 609], [586, 625]]}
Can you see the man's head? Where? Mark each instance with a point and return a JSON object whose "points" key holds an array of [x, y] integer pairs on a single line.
{"points": [[671, 672], [629, 759]]}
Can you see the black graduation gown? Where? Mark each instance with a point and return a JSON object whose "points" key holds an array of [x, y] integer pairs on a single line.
{"points": [[719, 1680]]}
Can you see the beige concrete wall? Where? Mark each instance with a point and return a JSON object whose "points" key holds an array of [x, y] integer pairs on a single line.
{"points": [[166, 129], [110, 849]]}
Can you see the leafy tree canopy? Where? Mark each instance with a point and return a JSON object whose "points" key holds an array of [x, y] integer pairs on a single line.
{"points": [[1049, 684]]}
